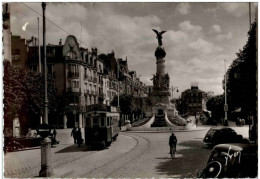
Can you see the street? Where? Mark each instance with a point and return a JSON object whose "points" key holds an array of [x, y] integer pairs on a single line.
{"points": [[133, 154]]}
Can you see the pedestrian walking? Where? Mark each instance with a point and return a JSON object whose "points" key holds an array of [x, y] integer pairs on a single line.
{"points": [[54, 134], [172, 144], [79, 137], [74, 134]]}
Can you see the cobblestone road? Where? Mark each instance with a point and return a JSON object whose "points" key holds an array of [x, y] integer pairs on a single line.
{"points": [[134, 154]]}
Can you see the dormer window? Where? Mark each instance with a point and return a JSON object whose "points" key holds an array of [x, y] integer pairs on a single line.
{"points": [[72, 55]]}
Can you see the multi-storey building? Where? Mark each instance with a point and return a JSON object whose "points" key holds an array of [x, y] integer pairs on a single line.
{"points": [[79, 79], [83, 78], [192, 100]]}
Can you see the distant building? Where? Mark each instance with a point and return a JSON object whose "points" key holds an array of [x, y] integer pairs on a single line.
{"points": [[19, 51], [192, 100], [6, 31]]}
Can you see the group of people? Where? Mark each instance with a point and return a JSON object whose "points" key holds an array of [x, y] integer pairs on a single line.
{"points": [[77, 136], [240, 122]]}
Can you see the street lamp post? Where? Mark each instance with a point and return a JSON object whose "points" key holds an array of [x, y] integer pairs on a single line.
{"points": [[46, 170], [45, 120], [225, 105]]}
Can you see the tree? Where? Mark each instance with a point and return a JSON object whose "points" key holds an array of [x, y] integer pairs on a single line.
{"points": [[126, 103], [216, 106], [24, 92], [241, 77]]}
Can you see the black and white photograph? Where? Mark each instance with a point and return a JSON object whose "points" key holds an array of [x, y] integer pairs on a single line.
{"points": [[130, 89]]}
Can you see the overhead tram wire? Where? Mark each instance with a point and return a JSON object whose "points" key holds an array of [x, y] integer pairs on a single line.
{"points": [[51, 22]]}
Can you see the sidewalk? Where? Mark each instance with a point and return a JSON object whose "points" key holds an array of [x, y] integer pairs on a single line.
{"points": [[27, 163]]}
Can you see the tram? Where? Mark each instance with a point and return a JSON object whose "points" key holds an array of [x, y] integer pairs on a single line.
{"points": [[101, 125]]}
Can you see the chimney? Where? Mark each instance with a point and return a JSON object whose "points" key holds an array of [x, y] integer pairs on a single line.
{"points": [[60, 42]]}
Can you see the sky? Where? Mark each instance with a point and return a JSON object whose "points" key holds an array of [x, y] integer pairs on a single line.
{"points": [[199, 35]]}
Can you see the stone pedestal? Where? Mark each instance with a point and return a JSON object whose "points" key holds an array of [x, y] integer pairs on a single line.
{"points": [[46, 170]]}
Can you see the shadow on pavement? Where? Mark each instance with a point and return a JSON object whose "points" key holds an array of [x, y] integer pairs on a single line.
{"points": [[75, 148], [194, 158]]}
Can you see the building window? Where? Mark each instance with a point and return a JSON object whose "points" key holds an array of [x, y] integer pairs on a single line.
{"points": [[86, 58], [108, 121], [72, 55], [85, 73], [102, 122], [88, 122], [73, 99], [15, 54], [74, 84], [95, 121]]}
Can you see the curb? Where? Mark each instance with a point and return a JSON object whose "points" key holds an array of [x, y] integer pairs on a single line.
{"points": [[164, 131]]}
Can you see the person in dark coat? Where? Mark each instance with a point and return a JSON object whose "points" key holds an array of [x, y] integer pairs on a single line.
{"points": [[74, 134], [79, 137], [172, 144], [54, 134]]}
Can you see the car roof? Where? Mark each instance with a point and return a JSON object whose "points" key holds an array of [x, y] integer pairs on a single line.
{"points": [[220, 128], [234, 146]]}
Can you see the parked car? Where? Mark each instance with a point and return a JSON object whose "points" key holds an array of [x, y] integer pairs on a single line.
{"points": [[231, 161], [221, 135], [12, 144]]}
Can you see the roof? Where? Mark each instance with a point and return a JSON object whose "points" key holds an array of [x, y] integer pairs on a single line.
{"points": [[234, 146]]}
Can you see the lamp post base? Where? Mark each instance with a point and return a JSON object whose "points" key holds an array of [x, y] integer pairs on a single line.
{"points": [[46, 170]]}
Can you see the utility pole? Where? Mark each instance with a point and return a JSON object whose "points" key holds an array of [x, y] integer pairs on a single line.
{"points": [[45, 118], [249, 16], [118, 105], [225, 105], [39, 51], [39, 47]]}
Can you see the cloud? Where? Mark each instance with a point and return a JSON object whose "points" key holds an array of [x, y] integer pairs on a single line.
{"points": [[183, 8], [235, 9], [192, 54], [221, 37], [216, 28], [188, 27], [204, 46], [24, 26]]}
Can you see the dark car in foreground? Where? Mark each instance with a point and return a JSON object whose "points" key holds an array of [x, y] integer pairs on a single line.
{"points": [[232, 161], [221, 135]]}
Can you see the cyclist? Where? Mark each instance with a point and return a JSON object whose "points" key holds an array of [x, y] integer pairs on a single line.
{"points": [[172, 143]]}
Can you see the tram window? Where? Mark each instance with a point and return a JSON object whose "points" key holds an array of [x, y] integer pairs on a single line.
{"points": [[88, 122], [108, 121], [95, 122], [102, 122]]}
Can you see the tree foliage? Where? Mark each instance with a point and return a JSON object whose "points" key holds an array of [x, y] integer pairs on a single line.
{"points": [[241, 77], [24, 92], [126, 103], [216, 106]]}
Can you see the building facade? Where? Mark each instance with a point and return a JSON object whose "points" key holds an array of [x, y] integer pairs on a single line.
{"points": [[83, 79], [192, 100]]}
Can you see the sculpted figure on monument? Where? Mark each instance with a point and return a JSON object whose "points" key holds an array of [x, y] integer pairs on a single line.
{"points": [[159, 36], [165, 82], [155, 81]]}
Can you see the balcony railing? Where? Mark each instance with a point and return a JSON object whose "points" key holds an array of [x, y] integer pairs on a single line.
{"points": [[90, 78], [74, 90], [96, 107], [101, 95]]}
